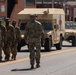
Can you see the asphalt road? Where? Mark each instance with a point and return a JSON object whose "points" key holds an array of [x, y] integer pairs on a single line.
{"points": [[56, 62]]}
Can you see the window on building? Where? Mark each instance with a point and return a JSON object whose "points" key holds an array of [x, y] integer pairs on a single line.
{"points": [[2, 8], [30, 2], [44, 0]]}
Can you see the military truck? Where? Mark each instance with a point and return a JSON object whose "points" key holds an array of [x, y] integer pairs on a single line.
{"points": [[70, 32], [53, 22]]}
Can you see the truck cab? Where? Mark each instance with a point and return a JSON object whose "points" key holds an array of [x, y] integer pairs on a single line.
{"points": [[70, 32], [53, 22]]}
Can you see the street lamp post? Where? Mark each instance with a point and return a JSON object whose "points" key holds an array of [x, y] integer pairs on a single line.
{"points": [[64, 5], [42, 3], [24, 3], [52, 3]]}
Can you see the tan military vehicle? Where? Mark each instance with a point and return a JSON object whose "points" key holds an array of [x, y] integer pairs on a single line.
{"points": [[53, 22], [70, 32]]}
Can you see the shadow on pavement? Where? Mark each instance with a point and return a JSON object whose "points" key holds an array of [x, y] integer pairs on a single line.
{"points": [[28, 69], [2, 61]]}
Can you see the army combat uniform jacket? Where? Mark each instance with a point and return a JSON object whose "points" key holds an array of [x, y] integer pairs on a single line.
{"points": [[10, 35], [34, 31], [17, 34], [3, 34]]}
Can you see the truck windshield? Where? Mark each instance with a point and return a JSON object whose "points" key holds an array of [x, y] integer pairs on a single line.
{"points": [[70, 26], [47, 26]]}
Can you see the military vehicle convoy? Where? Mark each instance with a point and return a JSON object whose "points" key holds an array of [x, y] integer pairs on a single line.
{"points": [[53, 22], [70, 32]]}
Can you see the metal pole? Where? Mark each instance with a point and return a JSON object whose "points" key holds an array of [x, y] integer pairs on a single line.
{"points": [[52, 3], [64, 5], [42, 3], [24, 3]]}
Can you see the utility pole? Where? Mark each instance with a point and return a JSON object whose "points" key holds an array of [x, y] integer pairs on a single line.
{"points": [[42, 3], [24, 3], [52, 3], [64, 5]]}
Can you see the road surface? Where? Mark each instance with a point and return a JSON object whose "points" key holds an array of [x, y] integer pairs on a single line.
{"points": [[56, 62]]}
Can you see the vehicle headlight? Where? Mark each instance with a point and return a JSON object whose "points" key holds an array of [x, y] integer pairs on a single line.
{"points": [[66, 33], [22, 36]]}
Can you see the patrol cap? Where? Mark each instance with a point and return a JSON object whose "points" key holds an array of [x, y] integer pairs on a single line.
{"points": [[33, 15]]}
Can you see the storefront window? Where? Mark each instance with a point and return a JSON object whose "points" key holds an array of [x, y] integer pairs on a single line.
{"points": [[43, 0], [30, 2]]}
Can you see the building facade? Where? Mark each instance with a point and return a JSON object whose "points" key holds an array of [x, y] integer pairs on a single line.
{"points": [[10, 8], [3, 8], [69, 9]]}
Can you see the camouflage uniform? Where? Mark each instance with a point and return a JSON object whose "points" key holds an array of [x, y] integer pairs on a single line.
{"points": [[2, 38], [17, 40], [9, 44], [10, 38], [33, 33]]}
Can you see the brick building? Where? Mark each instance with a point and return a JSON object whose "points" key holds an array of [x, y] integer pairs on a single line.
{"points": [[3, 8], [10, 8], [69, 9]]}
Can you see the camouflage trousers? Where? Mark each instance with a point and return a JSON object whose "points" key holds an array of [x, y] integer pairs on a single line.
{"points": [[34, 55], [14, 50], [10, 47], [6, 50]]}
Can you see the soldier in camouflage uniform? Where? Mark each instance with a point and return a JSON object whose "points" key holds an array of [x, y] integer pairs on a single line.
{"points": [[33, 34], [10, 39], [2, 38], [17, 40]]}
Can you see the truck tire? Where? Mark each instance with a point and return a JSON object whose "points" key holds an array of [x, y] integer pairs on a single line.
{"points": [[18, 48], [73, 40], [22, 43], [59, 45], [47, 45]]}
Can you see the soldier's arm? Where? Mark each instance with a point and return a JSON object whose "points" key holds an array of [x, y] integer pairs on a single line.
{"points": [[18, 34], [26, 32], [13, 32], [42, 34], [4, 34], [42, 31]]}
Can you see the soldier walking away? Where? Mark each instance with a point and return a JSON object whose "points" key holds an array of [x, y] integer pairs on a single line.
{"points": [[10, 39], [17, 39], [2, 38], [33, 34]]}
